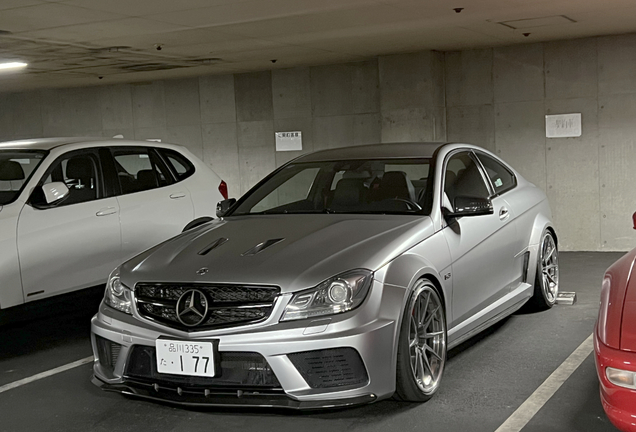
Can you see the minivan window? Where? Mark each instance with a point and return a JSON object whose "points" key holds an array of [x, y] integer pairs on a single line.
{"points": [[81, 173], [181, 166], [138, 170], [16, 168]]}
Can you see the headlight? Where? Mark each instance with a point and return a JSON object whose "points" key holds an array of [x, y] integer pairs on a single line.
{"points": [[338, 294], [117, 295]]}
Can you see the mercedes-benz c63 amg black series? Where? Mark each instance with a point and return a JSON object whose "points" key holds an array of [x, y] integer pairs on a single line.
{"points": [[341, 278]]}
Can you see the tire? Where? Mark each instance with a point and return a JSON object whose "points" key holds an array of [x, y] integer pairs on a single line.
{"points": [[546, 282], [421, 354]]}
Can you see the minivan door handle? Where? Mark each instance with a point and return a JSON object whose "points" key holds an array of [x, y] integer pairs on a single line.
{"points": [[503, 213], [106, 211], [177, 195]]}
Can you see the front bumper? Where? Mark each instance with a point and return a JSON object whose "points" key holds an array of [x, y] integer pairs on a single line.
{"points": [[618, 402], [370, 331]]}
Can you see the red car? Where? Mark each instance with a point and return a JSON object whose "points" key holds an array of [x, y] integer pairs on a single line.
{"points": [[615, 342]]}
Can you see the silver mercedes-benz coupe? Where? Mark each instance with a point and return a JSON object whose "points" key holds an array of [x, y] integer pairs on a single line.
{"points": [[341, 278]]}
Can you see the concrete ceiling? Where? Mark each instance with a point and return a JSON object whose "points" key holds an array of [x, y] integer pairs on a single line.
{"points": [[75, 42]]}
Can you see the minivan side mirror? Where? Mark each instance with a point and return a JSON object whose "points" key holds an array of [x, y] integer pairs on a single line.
{"points": [[49, 195], [470, 206], [223, 206]]}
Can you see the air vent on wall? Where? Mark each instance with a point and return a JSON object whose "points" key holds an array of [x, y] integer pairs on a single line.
{"points": [[527, 23]]}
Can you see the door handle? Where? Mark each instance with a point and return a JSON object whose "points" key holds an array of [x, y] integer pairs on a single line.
{"points": [[106, 211], [503, 213], [177, 195]]}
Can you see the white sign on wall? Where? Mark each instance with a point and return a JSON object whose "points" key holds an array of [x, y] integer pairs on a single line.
{"points": [[289, 141], [563, 125]]}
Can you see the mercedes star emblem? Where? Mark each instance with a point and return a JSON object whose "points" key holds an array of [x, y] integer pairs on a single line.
{"points": [[192, 308], [202, 271]]}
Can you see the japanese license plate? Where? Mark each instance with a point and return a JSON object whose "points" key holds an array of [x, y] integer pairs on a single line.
{"points": [[185, 358]]}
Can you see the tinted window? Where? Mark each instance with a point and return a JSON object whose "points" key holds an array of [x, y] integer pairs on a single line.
{"points": [[180, 165], [16, 167], [81, 173], [294, 189], [463, 178], [354, 186], [500, 177], [139, 170]]}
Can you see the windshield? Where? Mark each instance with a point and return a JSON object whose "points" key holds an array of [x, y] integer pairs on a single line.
{"points": [[390, 186], [16, 168]]}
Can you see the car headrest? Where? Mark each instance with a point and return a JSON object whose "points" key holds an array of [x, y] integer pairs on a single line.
{"points": [[147, 179], [356, 175], [396, 184], [348, 193], [11, 171], [80, 167]]}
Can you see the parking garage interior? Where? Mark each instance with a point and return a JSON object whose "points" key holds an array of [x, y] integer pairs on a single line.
{"points": [[223, 77]]}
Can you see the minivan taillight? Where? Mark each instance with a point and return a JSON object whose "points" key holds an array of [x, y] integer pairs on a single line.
{"points": [[223, 189]]}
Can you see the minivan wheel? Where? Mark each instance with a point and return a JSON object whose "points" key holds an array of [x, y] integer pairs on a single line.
{"points": [[422, 345]]}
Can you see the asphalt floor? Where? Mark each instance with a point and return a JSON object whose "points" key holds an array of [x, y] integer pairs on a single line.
{"points": [[486, 379]]}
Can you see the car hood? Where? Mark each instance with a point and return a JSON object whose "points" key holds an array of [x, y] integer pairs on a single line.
{"points": [[293, 252]]}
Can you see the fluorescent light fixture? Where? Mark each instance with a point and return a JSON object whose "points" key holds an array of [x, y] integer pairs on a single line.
{"points": [[12, 65]]}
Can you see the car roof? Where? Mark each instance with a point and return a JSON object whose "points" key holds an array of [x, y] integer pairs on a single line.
{"points": [[375, 151], [51, 143]]}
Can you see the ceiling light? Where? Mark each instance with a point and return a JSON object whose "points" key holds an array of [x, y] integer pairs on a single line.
{"points": [[12, 65]]}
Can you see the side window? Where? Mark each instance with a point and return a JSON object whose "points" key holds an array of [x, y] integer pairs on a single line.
{"points": [[501, 178], [138, 169], [463, 178], [182, 167], [81, 172]]}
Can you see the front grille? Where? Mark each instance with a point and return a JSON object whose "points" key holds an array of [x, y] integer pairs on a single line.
{"points": [[228, 305], [237, 370], [108, 352], [334, 367]]}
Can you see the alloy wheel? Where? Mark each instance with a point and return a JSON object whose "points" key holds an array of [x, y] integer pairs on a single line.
{"points": [[427, 337], [549, 268]]}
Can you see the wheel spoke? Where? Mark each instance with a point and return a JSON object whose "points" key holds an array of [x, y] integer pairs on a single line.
{"points": [[424, 365], [432, 351], [429, 335], [422, 316], [430, 318], [427, 365]]}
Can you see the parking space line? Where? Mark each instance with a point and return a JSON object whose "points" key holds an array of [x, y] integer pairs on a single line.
{"points": [[533, 404], [45, 374]]}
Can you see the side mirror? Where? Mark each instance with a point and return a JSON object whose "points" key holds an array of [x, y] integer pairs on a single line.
{"points": [[470, 206], [55, 192], [223, 206], [634, 220], [49, 195]]}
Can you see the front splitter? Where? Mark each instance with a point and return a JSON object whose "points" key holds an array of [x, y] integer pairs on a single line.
{"points": [[228, 398]]}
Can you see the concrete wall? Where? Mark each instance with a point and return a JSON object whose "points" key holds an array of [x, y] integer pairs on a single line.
{"points": [[498, 98], [229, 120]]}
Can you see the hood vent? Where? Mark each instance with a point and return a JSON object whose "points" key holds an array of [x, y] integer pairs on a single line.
{"points": [[215, 244], [261, 247]]}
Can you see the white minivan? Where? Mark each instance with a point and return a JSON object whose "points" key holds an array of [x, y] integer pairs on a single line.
{"points": [[72, 209]]}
